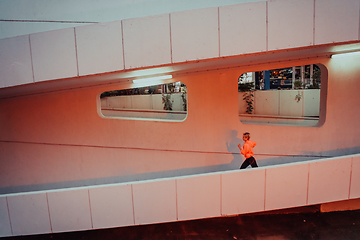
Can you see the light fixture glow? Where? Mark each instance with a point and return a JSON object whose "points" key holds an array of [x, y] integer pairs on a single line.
{"points": [[348, 54], [151, 79], [143, 73]]}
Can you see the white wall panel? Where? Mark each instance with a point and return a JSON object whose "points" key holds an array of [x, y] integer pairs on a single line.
{"points": [[69, 210], [184, 198], [198, 197], [243, 191], [147, 41], [111, 206], [99, 48], [329, 180], [311, 102], [355, 178], [288, 104], [92, 10], [266, 102], [290, 23], [29, 214], [194, 34], [119, 102], [154, 202], [5, 228], [53, 54], [242, 28], [286, 186], [336, 21], [157, 102], [141, 102], [15, 61]]}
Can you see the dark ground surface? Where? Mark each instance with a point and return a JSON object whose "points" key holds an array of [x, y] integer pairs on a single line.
{"points": [[303, 225]]}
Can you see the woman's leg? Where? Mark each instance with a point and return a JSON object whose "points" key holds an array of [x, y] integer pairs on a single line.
{"points": [[245, 164], [253, 162]]}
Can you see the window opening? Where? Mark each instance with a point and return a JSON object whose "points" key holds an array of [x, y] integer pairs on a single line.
{"points": [[286, 96], [164, 102]]}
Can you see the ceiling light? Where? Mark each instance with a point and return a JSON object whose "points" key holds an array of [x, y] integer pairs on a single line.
{"points": [[348, 54], [152, 79]]}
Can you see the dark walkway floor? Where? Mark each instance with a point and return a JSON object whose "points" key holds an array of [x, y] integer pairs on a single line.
{"points": [[315, 225]]}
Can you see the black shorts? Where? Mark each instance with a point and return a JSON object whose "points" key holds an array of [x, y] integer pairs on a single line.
{"points": [[249, 161]]}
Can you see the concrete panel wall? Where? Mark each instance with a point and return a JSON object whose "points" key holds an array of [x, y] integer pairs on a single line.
{"points": [[147, 41], [285, 13], [198, 196], [5, 228], [183, 36], [289, 106], [15, 61], [111, 206], [69, 210], [99, 48], [199, 39], [284, 103], [311, 101], [176, 199], [54, 55], [286, 186], [29, 214], [157, 102], [239, 196], [267, 103], [141, 102], [236, 35], [155, 202], [117, 102], [329, 180], [355, 178], [343, 26]]}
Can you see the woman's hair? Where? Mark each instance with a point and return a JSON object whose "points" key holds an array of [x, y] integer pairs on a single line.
{"points": [[247, 135]]}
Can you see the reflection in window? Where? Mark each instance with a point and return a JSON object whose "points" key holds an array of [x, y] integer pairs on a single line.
{"points": [[166, 102], [287, 96]]}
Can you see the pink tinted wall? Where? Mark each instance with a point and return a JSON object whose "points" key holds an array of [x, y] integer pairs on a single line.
{"points": [[58, 139]]}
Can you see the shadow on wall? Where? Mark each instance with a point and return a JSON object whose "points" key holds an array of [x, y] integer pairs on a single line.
{"points": [[118, 179], [262, 159], [234, 164], [232, 147]]}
